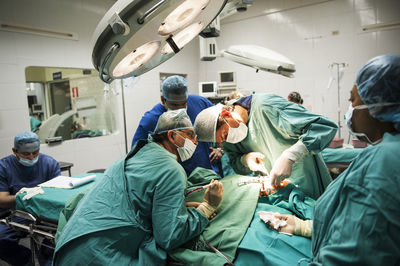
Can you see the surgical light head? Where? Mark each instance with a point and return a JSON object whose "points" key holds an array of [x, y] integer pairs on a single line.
{"points": [[26, 141], [378, 83], [205, 125], [172, 120], [175, 85]]}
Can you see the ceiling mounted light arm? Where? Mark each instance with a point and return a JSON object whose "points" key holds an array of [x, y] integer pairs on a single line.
{"points": [[101, 71], [148, 32], [150, 11]]}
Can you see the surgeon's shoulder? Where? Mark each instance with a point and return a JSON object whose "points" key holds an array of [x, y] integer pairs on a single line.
{"points": [[199, 100]]}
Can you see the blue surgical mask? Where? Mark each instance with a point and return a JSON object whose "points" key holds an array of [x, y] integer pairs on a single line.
{"points": [[27, 162], [358, 135]]}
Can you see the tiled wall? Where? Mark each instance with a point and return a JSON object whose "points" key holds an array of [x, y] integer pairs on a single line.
{"points": [[18, 51], [305, 36]]}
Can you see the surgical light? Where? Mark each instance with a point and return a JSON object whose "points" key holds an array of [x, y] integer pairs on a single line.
{"points": [[182, 16], [183, 37], [135, 36]]}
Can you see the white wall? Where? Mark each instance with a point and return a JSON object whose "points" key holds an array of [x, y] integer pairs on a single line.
{"points": [[304, 35], [294, 33], [18, 51]]}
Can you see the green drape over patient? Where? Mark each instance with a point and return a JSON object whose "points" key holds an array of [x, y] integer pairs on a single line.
{"points": [[274, 125], [133, 215]]}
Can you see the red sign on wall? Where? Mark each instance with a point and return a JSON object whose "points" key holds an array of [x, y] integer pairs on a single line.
{"points": [[75, 92]]}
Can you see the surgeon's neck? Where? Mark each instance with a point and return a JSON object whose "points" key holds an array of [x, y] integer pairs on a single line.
{"points": [[169, 147], [242, 112]]}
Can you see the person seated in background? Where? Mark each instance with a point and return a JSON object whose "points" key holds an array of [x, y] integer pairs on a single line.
{"points": [[175, 96], [137, 211], [265, 132], [356, 221], [295, 97], [26, 167]]}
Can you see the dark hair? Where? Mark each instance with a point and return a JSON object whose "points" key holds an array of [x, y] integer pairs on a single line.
{"points": [[160, 137], [295, 97]]}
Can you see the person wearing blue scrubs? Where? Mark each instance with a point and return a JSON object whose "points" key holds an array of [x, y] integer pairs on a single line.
{"points": [[137, 211], [175, 96], [356, 221], [26, 167]]}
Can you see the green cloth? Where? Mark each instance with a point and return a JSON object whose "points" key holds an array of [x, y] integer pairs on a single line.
{"points": [[133, 215], [356, 220], [50, 204], [224, 231], [274, 125], [35, 123], [340, 155], [68, 210], [263, 246]]}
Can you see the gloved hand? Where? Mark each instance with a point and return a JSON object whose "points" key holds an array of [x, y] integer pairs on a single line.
{"points": [[214, 193], [212, 199], [282, 169], [30, 192], [284, 164], [295, 225], [215, 154], [254, 161]]}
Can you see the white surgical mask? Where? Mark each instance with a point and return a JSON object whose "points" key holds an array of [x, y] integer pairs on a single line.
{"points": [[237, 134], [27, 162], [186, 152], [358, 135]]}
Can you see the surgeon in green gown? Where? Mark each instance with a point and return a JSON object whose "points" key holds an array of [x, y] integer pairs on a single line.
{"points": [[357, 219], [137, 211], [268, 134]]}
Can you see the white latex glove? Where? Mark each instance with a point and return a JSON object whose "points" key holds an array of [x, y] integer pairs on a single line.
{"points": [[283, 165], [30, 192], [255, 162], [282, 169]]}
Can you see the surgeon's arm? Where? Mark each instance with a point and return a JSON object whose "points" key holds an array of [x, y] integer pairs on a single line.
{"points": [[7, 201], [235, 155], [173, 223]]}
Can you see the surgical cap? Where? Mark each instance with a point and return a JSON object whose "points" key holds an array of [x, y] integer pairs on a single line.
{"points": [[205, 124], [26, 141], [175, 85], [378, 82], [172, 120]]}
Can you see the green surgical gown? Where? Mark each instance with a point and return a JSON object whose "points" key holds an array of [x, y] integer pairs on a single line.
{"points": [[275, 124], [133, 215], [357, 219]]}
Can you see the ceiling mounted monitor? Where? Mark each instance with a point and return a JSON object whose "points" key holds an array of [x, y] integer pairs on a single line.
{"points": [[135, 36]]}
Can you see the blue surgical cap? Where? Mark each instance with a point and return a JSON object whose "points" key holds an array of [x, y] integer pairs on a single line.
{"points": [[378, 83], [175, 85], [26, 141]]}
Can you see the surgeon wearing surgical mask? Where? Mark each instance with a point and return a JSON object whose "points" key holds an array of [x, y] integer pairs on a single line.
{"points": [[356, 221], [174, 96], [266, 134], [25, 168], [139, 205]]}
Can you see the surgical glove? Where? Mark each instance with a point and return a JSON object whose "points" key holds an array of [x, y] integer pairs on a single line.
{"points": [[295, 225], [254, 161], [30, 192], [283, 165], [282, 169], [214, 193]]}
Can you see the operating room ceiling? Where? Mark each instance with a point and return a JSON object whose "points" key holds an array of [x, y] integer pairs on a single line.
{"points": [[264, 7]]}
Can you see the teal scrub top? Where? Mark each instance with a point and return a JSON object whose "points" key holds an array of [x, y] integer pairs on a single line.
{"points": [[357, 219], [133, 215], [274, 125]]}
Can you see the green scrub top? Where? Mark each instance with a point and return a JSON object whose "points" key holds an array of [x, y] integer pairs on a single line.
{"points": [[275, 124], [356, 220], [133, 215]]}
